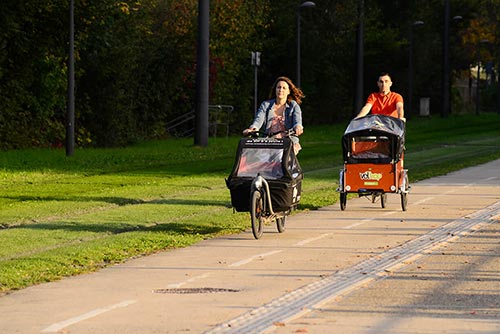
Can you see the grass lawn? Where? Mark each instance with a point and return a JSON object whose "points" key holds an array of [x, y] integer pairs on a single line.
{"points": [[62, 216]]}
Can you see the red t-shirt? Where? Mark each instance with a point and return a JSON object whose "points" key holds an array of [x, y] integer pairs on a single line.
{"points": [[384, 104]]}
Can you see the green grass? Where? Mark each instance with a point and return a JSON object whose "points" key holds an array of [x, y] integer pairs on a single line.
{"points": [[63, 216]]}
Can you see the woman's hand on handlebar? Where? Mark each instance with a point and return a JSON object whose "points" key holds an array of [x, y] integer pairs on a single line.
{"points": [[253, 132], [298, 130], [249, 131]]}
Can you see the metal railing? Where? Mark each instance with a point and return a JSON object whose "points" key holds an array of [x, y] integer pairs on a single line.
{"points": [[178, 127], [219, 115]]}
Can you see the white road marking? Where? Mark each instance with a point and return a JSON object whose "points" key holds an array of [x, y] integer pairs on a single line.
{"points": [[245, 261], [250, 259], [388, 213], [306, 241], [192, 279], [364, 221], [357, 224], [94, 313], [427, 199]]}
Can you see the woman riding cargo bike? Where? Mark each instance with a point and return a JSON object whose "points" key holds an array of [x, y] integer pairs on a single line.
{"points": [[266, 178]]}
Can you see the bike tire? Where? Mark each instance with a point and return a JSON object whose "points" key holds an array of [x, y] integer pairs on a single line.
{"points": [[256, 214], [280, 224], [383, 200], [343, 201]]}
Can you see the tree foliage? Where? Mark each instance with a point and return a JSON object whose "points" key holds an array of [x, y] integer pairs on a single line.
{"points": [[136, 60]]}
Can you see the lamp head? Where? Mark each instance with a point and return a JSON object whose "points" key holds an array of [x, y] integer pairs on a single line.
{"points": [[307, 4]]}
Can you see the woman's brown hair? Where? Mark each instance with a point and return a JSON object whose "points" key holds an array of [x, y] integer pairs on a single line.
{"points": [[295, 92]]}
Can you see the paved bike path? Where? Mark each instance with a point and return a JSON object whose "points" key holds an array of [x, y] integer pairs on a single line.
{"points": [[363, 270]]}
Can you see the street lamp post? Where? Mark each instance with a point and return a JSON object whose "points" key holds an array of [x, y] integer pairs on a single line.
{"points": [[498, 80], [446, 58], [478, 80], [202, 74], [410, 66], [255, 64], [305, 4], [358, 94], [478, 73], [70, 122]]}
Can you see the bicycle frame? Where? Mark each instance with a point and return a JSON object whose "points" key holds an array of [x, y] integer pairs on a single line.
{"points": [[260, 184]]}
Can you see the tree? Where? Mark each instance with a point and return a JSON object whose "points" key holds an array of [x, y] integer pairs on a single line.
{"points": [[136, 60]]}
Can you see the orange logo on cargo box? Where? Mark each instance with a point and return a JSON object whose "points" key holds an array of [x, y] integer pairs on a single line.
{"points": [[368, 175]]}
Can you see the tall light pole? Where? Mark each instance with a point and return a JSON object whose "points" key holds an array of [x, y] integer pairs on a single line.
{"points": [[410, 67], [358, 97], [478, 73], [202, 77], [305, 4], [498, 80], [446, 58], [70, 122], [255, 64]]}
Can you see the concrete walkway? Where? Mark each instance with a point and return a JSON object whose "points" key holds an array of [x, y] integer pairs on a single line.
{"points": [[431, 269]]}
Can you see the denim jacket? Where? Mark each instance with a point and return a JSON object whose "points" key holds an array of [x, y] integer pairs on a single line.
{"points": [[292, 113]]}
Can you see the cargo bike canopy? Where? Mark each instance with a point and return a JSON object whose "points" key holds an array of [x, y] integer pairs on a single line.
{"points": [[374, 139], [273, 158]]}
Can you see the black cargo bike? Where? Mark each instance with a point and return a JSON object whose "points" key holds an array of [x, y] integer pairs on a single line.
{"points": [[266, 180]]}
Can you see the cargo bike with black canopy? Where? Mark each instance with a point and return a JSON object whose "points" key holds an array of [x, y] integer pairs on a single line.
{"points": [[266, 180], [373, 153]]}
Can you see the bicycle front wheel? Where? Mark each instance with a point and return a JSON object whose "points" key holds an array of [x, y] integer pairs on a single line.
{"points": [[256, 213]]}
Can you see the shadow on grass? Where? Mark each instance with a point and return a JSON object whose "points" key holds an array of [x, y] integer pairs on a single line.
{"points": [[120, 201], [303, 207], [165, 156], [119, 228]]}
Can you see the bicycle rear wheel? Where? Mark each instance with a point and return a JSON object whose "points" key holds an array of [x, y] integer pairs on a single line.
{"points": [[383, 200], [280, 224]]}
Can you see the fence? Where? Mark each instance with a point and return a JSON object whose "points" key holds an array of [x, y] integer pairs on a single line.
{"points": [[219, 118]]}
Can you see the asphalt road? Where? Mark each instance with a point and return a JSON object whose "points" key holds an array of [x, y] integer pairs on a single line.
{"points": [[431, 269]]}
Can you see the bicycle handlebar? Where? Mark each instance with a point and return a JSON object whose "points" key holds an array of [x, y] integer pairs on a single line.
{"points": [[257, 133]]}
